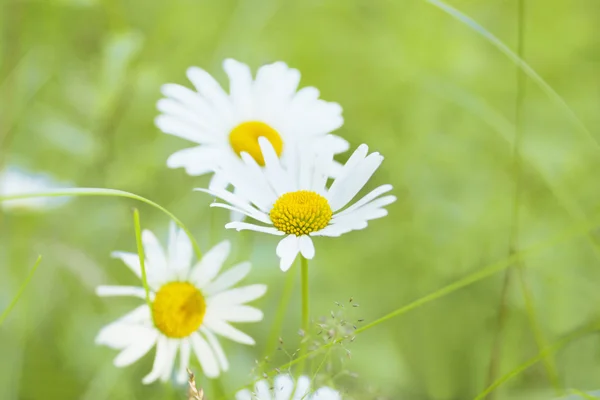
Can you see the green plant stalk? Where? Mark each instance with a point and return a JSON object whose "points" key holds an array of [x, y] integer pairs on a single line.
{"points": [[583, 394], [140, 249], [284, 303], [574, 231], [108, 193], [305, 312], [22, 288], [530, 72], [559, 344]]}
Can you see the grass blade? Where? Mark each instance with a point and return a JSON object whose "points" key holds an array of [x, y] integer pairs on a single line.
{"points": [[22, 288]]}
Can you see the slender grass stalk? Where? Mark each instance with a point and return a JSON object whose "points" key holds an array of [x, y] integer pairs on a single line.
{"points": [[140, 249], [284, 303], [539, 357], [22, 288], [583, 395], [305, 307], [530, 72], [108, 193]]}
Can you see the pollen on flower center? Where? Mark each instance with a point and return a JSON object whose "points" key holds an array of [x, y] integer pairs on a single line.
{"points": [[178, 309], [244, 137], [300, 213]]}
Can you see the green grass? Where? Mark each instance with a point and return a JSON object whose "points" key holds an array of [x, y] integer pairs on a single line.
{"points": [[430, 85]]}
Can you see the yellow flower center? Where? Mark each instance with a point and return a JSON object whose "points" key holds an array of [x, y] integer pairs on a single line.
{"points": [[301, 212], [244, 137], [178, 309]]}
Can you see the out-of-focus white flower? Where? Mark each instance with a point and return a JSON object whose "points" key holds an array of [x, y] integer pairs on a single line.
{"points": [[15, 181], [284, 388], [191, 305], [296, 203], [225, 125]]}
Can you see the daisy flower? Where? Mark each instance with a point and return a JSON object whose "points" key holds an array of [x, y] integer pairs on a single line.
{"points": [[296, 203], [226, 125], [15, 181], [191, 305], [283, 389]]}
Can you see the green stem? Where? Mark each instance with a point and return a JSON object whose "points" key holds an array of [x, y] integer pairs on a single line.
{"points": [[286, 296], [140, 249], [15, 299], [305, 310], [109, 193]]}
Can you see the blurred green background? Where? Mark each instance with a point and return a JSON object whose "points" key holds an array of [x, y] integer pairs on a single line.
{"points": [[79, 80]]}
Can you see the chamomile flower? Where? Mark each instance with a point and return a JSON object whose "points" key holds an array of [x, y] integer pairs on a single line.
{"points": [[284, 388], [227, 124], [191, 305], [296, 203], [15, 181]]}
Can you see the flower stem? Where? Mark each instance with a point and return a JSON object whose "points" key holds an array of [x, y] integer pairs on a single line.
{"points": [[305, 310], [14, 301], [140, 249]]}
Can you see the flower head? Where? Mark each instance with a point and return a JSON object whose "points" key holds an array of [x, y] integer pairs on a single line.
{"points": [[296, 201], [191, 305], [284, 388], [15, 181], [225, 125]]}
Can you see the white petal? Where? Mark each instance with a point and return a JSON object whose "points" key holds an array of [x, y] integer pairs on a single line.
{"points": [[205, 356], [307, 248], [133, 291], [378, 191], [234, 210], [119, 335], [172, 346], [262, 390], [144, 341], [240, 314], [210, 89], [222, 328], [236, 296], [197, 160], [217, 348], [240, 226], [277, 177], [154, 252], [228, 279], [184, 360], [160, 361], [184, 129], [180, 251], [218, 181], [240, 86], [132, 260], [237, 202], [287, 250], [326, 393], [209, 266], [283, 387], [195, 103], [302, 388], [244, 394], [367, 212]]}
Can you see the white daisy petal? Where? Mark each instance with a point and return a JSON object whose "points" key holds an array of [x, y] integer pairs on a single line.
{"points": [[238, 295], [307, 248], [217, 348], [283, 387], [183, 129], [287, 250], [366, 199], [180, 251], [238, 203], [237, 210], [326, 393], [209, 266], [132, 260], [240, 86], [243, 395], [240, 314], [273, 169], [172, 347], [192, 101], [262, 390], [302, 388], [222, 328], [144, 341], [133, 291], [178, 111], [227, 279], [205, 356], [210, 89], [196, 160], [154, 252], [184, 360], [240, 226], [119, 335], [160, 361]]}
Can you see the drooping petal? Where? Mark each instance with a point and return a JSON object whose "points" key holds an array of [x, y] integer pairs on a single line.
{"points": [[172, 346], [205, 356], [160, 361], [184, 360], [287, 250], [307, 248], [217, 348]]}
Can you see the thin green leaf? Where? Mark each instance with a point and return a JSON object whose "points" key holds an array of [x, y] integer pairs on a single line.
{"points": [[22, 288], [140, 249]]}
